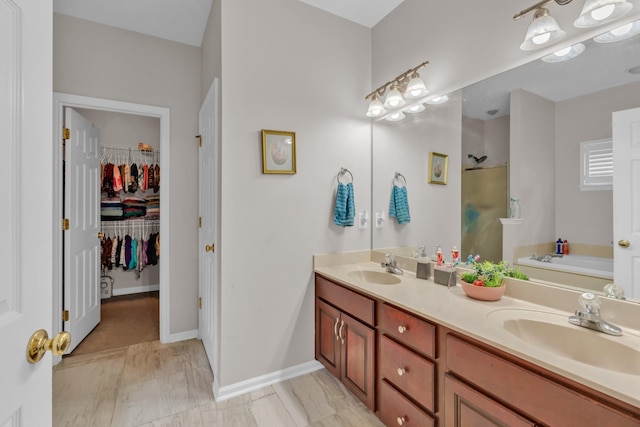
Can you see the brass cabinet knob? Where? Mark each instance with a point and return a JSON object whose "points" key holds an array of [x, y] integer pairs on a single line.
{"points": [[39, 343], [210, 248], [624, 243]]}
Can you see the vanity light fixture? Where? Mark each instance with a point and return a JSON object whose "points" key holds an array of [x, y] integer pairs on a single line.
{"points": [[415, 109], [621, 33], [396, 117], [394, 98], [543, 31], [438, 100], [565, 54], [598, 12], [416, 87], [376, 109], [407, 85]]}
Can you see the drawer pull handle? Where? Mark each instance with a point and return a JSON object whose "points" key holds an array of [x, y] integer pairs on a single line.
{"points": [[335, 328], [340, 331], [401, 420], [402, 329], [401, 371]]}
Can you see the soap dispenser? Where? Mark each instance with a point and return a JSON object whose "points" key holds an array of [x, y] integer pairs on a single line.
{"points": [[423, 268]]}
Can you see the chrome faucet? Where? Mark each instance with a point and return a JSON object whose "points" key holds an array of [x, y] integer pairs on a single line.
{"points": [[391, 265], [590, 316]]}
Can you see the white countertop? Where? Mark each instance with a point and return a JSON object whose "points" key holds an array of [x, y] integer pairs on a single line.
{"points": [[451, 308]]}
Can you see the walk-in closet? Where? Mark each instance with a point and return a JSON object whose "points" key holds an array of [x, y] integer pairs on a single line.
{"points": [[128, 213]]}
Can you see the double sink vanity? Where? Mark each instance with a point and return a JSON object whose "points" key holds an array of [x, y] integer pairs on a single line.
{"points": [[422, 354]]}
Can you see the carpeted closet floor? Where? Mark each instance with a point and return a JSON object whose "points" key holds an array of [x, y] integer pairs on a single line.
{"points": [[125, 320]]}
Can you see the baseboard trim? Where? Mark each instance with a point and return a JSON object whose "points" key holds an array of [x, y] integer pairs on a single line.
{"points": [[181, 336], [233, 390], [135, 290]]}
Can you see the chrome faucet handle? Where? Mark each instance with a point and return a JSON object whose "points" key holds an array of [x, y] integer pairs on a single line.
{"points": [[590, 302], [612, 290]]}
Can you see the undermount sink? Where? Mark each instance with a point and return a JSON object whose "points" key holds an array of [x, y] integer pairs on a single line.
{"points": [[553, 333], [374, 277]]}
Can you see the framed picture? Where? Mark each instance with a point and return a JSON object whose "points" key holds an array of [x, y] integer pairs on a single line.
{"points": [[438, 164], [278, 151]]}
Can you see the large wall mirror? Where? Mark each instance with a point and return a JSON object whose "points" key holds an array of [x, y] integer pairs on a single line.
{"points": [[530, 122]]}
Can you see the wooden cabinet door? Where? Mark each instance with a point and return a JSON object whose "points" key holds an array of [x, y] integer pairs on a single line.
{"points": [[464, 406], [327, 341], [358, 351]]}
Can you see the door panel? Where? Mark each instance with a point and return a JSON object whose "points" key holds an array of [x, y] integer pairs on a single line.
{"points": [[82, 245], [327, 342], [358, 353], [626, 200], [207, 237], [26, 256]]}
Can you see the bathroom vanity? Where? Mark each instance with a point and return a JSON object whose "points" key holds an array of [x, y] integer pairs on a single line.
{"points": [[421, 354]]}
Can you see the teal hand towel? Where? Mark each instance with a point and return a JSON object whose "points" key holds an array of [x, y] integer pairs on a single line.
{"points": [[399, 205], [345, 210]]}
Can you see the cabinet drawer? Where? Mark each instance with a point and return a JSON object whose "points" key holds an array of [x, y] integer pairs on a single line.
{"points": [[358, 306], [549, 402], [408, 371], [395, 409], [410, 330]]}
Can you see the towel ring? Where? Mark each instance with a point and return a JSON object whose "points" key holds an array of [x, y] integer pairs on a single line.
{"points": [[342, 172], [397, 176]]}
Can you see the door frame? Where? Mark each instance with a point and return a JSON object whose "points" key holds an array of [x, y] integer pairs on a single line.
{"points": [[62, 100]]}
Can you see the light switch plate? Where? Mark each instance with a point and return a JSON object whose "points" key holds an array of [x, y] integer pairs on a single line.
{"points": [[379, 219], [363, 220]]}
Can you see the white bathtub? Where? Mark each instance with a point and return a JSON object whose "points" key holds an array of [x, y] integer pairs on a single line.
{"points": [[575, 270]]}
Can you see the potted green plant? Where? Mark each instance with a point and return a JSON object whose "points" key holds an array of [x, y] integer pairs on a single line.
{"points": [[485, 280]]}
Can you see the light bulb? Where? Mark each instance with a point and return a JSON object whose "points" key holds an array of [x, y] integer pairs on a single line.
{"points": [[562, 52], [541, 39], [415, 109], [375, 108], [438, 100], [602, 12], [394, 99], [622, 30], [396, 116], [416, 87]]}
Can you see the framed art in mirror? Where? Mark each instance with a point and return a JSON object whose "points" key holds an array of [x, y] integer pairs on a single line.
{"points": [[278, 152], [438, 168]]}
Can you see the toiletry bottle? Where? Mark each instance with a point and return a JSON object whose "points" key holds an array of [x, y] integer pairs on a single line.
{"points": [[439, 257], [565, 247], [558, 246], [514, 207], [423, 268], [455, 254]]}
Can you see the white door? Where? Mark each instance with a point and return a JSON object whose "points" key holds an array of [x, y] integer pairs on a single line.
{"points": [[208, 255], [81, 242], [26, 252], [626, 200]]}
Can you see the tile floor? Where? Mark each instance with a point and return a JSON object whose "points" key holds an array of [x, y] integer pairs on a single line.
{"points": [[153, 384]]}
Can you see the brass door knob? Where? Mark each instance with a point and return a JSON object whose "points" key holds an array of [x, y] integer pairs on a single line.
{"points": [[39, 343], [624, 243], [100, 235], [210, 248]]}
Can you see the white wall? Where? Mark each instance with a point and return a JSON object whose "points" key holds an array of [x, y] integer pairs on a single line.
{"points": [[485, 138], [105, 62], [586, 216], [532, 166], [212, 49], [285, 66], [404, 147]]}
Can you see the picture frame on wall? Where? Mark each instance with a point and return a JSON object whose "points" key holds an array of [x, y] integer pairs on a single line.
{"points": [[438, 165], [278, 152]]}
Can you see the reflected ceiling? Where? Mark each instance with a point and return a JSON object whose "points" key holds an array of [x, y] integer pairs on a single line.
{"points": [[599, 67]]}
